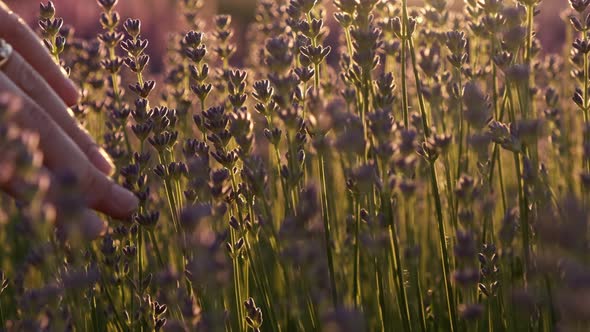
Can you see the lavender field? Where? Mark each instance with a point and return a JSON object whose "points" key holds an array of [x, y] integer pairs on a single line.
{"points": [[311, 165]]}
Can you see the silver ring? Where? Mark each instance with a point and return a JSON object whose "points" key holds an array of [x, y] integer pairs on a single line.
{"points": [[5, 52]]}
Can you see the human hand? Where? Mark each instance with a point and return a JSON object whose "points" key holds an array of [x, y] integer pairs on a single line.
{"points": [[30, 74]]}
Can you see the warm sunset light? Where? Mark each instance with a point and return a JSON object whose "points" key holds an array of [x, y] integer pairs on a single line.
{"points": [[295, 165]]}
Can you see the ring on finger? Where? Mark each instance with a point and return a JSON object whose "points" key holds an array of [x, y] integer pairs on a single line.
{"points": [[5, 52]]}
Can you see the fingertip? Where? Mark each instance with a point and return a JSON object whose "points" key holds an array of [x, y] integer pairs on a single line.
{"points": [[93, 226], [124, 202], [70, 92]]}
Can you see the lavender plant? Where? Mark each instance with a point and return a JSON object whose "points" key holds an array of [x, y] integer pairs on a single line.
{"points": [[368, 166]]}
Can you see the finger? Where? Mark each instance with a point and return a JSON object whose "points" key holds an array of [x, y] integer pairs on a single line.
{"points": [[31, 82], [92, 226], [16, 32], [62, 154], [85, 222]]}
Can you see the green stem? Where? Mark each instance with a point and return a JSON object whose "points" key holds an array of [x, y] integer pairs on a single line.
{"points": [[529, 41], [384, 317], [419, 89], [496, 156], [261, 284], [403, 64], [239, 270], [316, 77], [357, 254], [120, 324], [327, 228], [419, 297], [443, 248], [401, 288], [152, 236], [117, 99], [2, 319], [365, 108], [170, 196], [348, 41], [237, 284], [438, 205], [522, 197], [586, 106], [453, 211], [461, 126], [523, 212]]}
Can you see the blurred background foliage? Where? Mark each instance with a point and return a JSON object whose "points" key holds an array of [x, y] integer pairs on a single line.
{"points": [[83, 15]]}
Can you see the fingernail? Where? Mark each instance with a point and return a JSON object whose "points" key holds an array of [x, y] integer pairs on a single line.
{"points": [[94, 226], [124, 200], [100, 159]]}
